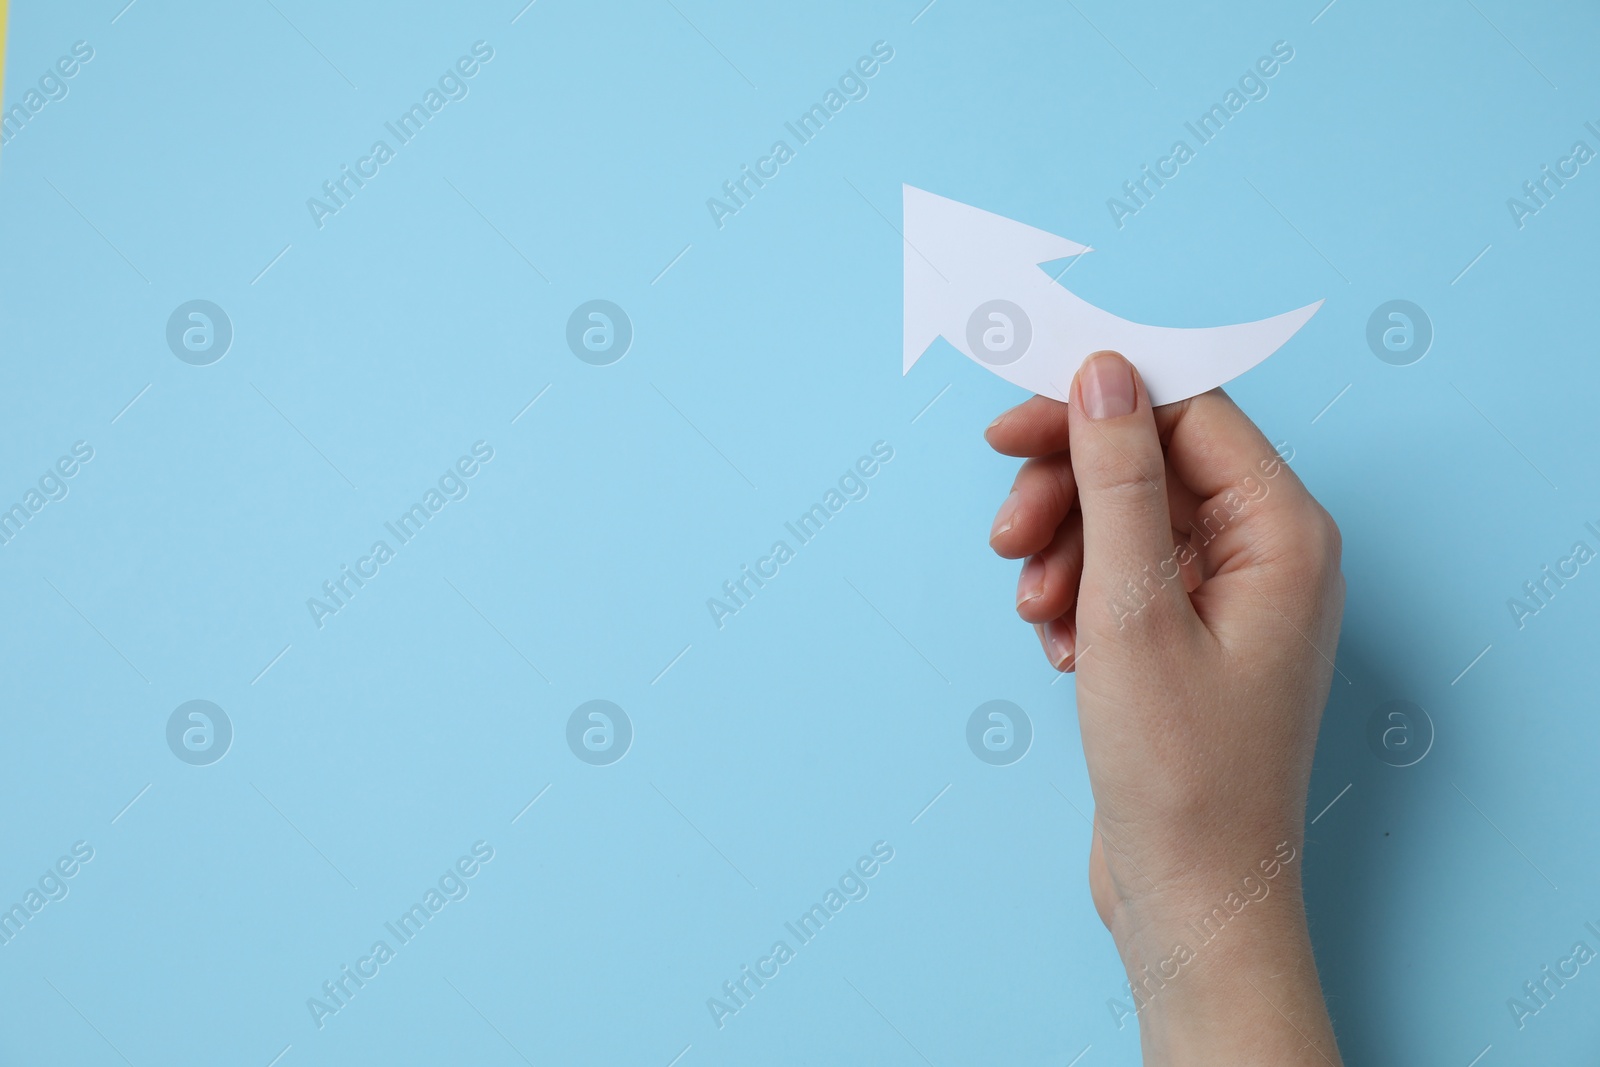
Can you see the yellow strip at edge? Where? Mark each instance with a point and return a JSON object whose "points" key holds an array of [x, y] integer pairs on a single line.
{"points": [[2, 52]]}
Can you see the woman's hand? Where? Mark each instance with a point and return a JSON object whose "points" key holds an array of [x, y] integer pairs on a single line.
{"points": [[1180, 568]]}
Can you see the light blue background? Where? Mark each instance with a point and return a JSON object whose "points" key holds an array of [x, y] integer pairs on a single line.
{"points": [[822, 718]]}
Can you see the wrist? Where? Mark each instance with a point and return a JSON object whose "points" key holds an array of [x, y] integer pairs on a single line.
{"points": [[1222, 973], [1193, 899]]}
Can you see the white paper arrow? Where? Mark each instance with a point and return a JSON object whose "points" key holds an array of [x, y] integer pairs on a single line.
{"points": [[973, 277]]}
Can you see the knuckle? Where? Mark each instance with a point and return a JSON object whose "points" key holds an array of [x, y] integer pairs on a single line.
{"points": [[1117, 476], [1322, 537], [1333, 539], [1312, 540], [1051, 481]]}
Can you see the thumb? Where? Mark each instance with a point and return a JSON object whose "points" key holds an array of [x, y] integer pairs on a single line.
{"points": [[1130, 565]]}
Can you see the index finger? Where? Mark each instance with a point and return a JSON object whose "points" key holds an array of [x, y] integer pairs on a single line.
{"points": [[1035, 427]]}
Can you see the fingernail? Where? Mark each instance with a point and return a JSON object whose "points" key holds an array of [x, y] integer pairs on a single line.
{"points": [[1006, 518], [1105, 383], [1059, 642], [989, 429], [1030, 585]]}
